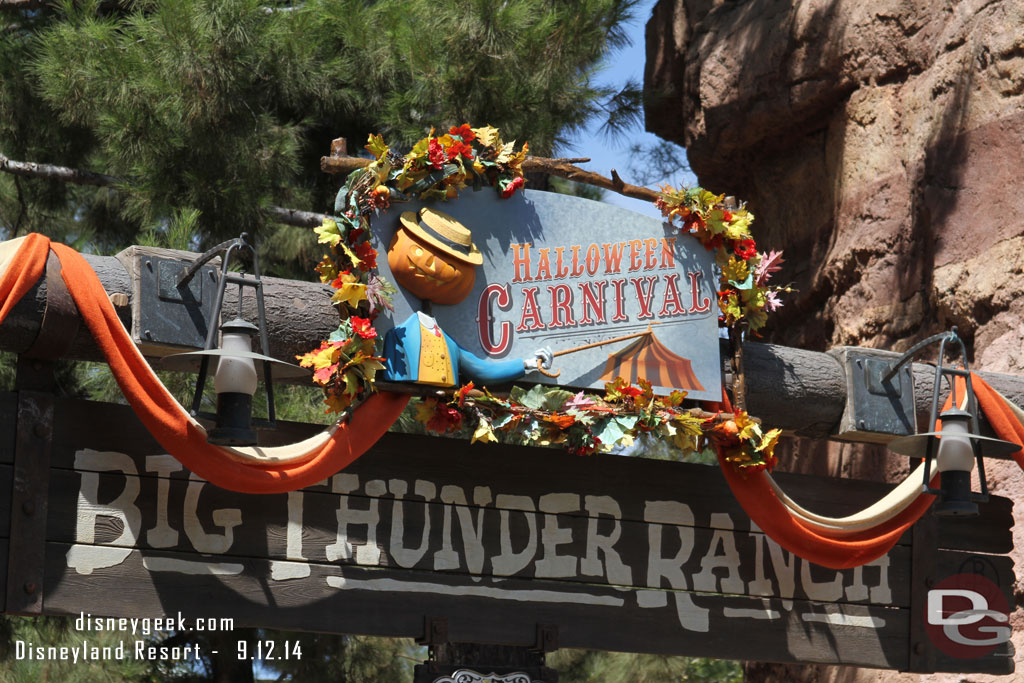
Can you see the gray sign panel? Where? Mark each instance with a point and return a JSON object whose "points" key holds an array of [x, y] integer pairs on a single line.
{"points": [[563, 272]]}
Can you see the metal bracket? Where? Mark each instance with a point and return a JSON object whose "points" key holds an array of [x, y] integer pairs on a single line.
{"points": [[435, 631], [877, 410], [547, 638], [169, 315]]}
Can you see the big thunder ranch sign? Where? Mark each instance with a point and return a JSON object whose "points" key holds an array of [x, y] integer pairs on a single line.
{"points": [[445, 541], [519, 546]]}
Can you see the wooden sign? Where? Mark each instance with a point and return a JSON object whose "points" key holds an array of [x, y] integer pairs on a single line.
{"points": [[432, 538], [543, 269]]}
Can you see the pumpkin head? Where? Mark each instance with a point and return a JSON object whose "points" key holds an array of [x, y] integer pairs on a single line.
{"points": [[433, 257]]}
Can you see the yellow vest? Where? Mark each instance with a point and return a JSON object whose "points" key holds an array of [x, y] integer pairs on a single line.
{"points": [[435, 363]]}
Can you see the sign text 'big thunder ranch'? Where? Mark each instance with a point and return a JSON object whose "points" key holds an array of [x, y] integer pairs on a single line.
{"points": [[615, 553], [542, 270]]}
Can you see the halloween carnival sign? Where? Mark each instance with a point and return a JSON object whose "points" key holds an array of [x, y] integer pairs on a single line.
{"points": [[539, 273]]}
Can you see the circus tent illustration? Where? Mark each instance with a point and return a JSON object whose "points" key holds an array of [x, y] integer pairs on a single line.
{"points": [[649, 359]]}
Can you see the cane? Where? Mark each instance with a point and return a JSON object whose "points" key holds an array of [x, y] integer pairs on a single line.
{"points": [[556, 354]]}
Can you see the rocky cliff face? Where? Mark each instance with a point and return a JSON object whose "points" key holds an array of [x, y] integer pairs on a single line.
{"points": [[881, 144]]}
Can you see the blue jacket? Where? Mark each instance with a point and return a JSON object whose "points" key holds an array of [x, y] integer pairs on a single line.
{"points": [[402, 358]]}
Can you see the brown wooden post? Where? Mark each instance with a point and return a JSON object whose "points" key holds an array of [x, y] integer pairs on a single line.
{"points": [[30, 487], [924, 549]]}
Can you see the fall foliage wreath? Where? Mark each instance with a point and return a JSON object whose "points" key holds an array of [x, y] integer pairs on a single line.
{"points": [[439, 167]]}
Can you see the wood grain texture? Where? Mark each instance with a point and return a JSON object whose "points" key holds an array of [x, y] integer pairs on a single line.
{"points": [[393, 602], [8, 417], [534, 471], [28, 505], [609, 561], [469, 541], [6, 484]]}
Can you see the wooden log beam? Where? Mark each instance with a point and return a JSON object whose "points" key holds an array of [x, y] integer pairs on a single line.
{"points": [[803, 392]]}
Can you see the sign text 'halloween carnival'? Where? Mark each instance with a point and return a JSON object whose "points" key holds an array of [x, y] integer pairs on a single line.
{"points": [[507, 277]]}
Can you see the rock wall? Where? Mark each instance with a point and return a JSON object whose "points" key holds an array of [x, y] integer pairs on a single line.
{"points": [[881, 144]]}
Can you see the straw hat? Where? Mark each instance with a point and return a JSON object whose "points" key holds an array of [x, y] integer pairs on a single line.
{"points": [[443, 232]]}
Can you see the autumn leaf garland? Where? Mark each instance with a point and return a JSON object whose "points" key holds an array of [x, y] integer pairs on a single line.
{"points": [[439, 167], [744, 294], [587, 423]]}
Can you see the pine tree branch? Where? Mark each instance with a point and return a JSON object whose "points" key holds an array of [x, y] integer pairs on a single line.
{"points": [[29, 169], [564, 168]]}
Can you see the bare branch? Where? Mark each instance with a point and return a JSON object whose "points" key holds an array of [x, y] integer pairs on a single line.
{"points": [[64, 174], [29, 169], [564, 168], [302, 219]]}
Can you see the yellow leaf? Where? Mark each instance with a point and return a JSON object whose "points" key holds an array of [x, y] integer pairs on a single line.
{"points": [[507, 150], [425, 411], [748, 429], [768, 441], [418, 150], [370, 368], [351, 383], [626, 440], [515, 162], [488, 136], [352, 293], [376, 146], [684, 442], [483, 432], [337, 403], [328, 232], [351, 254], [735, 269], [325, 357]]}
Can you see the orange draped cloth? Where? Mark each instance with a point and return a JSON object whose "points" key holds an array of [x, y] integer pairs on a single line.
{"points": [[160, 412], [845, 550]]}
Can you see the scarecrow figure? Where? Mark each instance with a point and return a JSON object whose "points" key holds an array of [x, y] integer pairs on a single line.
{"points": [[432, 255]]}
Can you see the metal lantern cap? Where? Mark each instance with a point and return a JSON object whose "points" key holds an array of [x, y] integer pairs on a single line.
{"points": [[190, 362], [239, 325], [916, 445]]}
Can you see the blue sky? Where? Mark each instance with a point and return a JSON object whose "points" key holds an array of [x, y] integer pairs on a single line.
{"points": [[606, 153]]}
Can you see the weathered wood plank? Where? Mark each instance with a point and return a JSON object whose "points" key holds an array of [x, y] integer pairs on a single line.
{"points": [[4, 551], [28, 504], [585, 543], [8, 416], [455, 462], [394, 602], [924, 572], [6, 485], [619, 553]]}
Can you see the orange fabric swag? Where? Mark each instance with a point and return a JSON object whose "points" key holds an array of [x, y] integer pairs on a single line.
{"points": [[161, 414]]}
